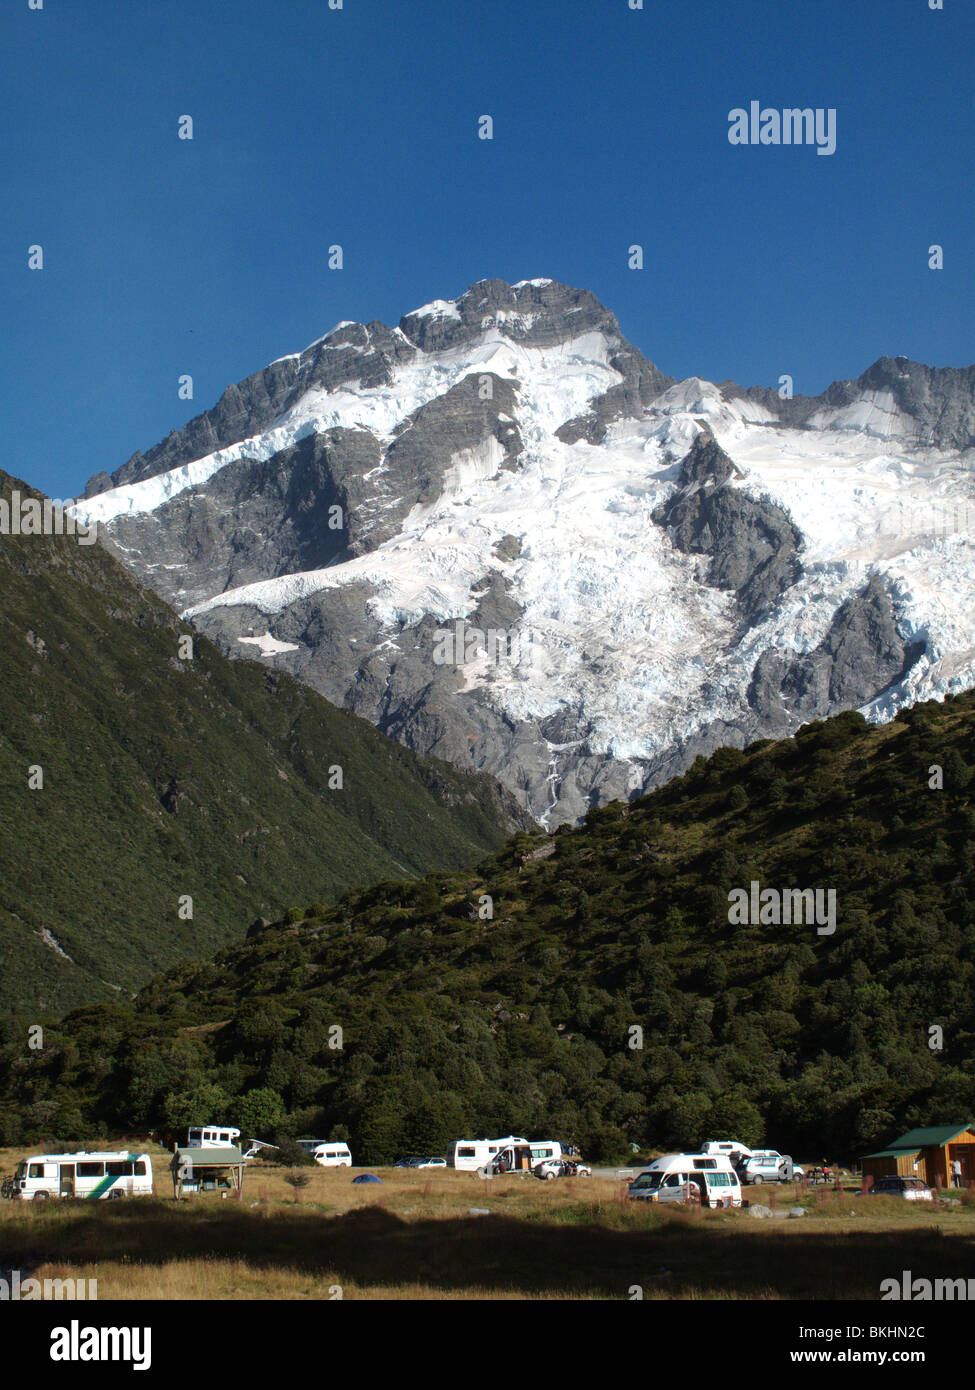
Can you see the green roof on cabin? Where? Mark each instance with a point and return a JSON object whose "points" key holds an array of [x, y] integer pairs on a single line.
{"points": [[209, 1157], [915, 1139]]}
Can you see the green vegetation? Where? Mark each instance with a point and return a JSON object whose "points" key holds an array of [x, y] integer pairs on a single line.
{"points": [[165, 777], [455, 1025]]}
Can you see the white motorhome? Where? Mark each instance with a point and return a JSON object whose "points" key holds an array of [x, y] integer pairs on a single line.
{"points": [[211, 1137], [543, 1149], [708, 1178], [328, 1153], [89, 1175], [472, 1154], [730, 1148]]}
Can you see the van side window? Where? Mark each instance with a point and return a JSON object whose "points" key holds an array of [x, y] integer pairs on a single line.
{"points": [[140, 1168], [91, 1170], [36, 1170]]}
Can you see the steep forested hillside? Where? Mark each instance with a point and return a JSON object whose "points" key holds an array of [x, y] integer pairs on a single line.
{"points": [[163, 777], [455, 1023]]}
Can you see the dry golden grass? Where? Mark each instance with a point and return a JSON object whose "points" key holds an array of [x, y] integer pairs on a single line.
{"points": [[415, 1237]]}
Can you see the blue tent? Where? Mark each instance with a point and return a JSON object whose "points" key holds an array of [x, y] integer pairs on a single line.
{"points": [[367, 1177]]}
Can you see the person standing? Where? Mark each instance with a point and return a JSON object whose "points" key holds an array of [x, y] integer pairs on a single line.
{"points": [[956, 1172]]}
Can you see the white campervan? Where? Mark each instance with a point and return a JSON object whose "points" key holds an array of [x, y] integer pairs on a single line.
{"points": [[330, 1153], [544, 1149], [211, 1137], [730, 1148], [89, 1175], [708, 1178], [472, 1154]]}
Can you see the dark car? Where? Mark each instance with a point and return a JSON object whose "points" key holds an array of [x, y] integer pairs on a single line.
{"points": [[914, 1189], [408, 1162]]}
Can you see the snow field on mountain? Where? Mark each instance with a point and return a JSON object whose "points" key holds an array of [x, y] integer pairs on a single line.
{"points": [[624, 629]]}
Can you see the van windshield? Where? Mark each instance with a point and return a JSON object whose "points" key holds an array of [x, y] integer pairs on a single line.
{"points": [[21, 1170], [648, 1180]]}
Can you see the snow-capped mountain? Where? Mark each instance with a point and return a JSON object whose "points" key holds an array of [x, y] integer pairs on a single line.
{"points": [[671, 565]]}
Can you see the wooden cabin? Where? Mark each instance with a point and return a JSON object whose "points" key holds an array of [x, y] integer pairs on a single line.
{"points": [[927, 1154], [207, 1169]]}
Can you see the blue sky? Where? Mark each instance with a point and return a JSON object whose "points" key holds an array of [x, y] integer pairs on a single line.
{"points": [[358, 126]]}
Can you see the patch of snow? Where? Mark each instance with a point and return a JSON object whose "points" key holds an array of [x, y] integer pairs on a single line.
{"points": [[270, 646], [437, 308], [561, 378]]}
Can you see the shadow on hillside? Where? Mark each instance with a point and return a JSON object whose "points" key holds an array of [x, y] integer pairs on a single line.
{"points": [[373, 1247]]}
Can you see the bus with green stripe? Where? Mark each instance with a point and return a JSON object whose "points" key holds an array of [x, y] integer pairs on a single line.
{"points": [[88, 1175]]}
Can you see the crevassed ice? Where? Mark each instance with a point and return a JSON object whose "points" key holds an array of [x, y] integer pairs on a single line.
{"points": [[622, 623]]}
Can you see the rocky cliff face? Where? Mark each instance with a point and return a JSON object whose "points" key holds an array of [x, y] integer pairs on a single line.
{"points": [[502, 535]]}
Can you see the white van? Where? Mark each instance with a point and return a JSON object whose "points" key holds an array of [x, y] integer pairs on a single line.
{"points": [[472, 1154], [330, 1154], [709, 1178], [89, 1175]]}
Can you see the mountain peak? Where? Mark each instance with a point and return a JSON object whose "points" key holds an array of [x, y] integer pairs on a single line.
{"points": [[536, 313]]}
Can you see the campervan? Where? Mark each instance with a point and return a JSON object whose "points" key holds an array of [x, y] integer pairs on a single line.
{"points": [[211, 1137], [89, 1175], [729, 1147], [544, 1150], [474, 1153], [523, 1156], [328, 1153], [708, 1178]]}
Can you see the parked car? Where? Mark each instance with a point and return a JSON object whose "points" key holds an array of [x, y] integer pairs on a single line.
{"points": [[768, 1165], [561, 1168], [408, 1163], [913, 1189], [430, 1163]]}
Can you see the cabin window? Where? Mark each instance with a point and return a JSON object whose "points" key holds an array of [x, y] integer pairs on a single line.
{"points": [[140, 1168], [118, 1170], [91, 1170], [36, 1170], [465, 1153]]}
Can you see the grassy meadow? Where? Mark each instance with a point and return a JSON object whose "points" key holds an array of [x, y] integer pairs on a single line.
{"points": [[416, 1237]]}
